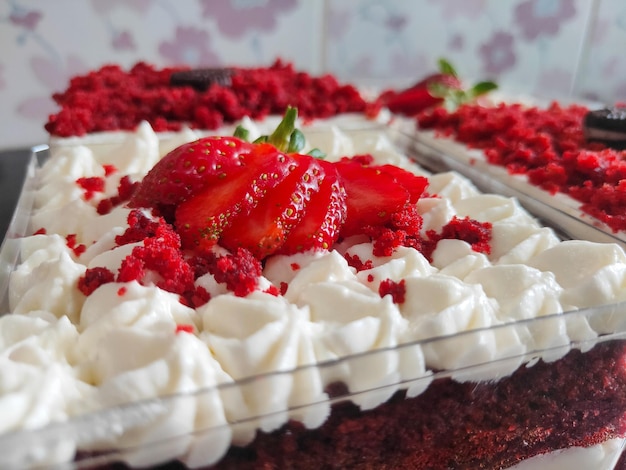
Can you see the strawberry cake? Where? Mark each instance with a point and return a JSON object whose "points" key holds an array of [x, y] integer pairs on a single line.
{"points": [[293, 292]]}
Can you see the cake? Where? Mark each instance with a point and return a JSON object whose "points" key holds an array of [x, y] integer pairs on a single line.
{"points": [[565, 157], [434, 327]]}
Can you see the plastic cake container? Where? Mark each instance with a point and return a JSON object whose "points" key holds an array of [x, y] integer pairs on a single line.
{"points": [[110, 435]]}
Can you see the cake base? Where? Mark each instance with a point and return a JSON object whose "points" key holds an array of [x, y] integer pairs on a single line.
{"points": [[488, 425]]}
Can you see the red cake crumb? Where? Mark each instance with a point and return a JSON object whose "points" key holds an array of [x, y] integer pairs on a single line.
{"points": [[91, 186], [294, 266], [185, 329], [547, 145], [477, 234], [357, 263], [121, 292], [94, 278], [125, 190], [239, 271], [77, 249], [40, 231], [139, 228], [109, 169], [114, 99], [397, 290], [283, 288], [273, 290]]}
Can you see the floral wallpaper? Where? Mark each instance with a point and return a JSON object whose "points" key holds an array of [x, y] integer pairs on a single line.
{"points": [[568, 49]]}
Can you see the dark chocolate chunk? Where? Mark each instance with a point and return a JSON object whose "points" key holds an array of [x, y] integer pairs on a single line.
{"points": [[607, 126], [201, 79]]}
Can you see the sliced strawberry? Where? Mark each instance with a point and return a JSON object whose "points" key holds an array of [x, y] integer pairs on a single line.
{"points": [[202, 218], [439, 88], [372, 196], [415, 185], [412, 101], [264, 230], [189, 169], [322, 221]]}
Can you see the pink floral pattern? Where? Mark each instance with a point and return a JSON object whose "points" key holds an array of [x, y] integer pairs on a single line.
{"points": [[27, 19], [465, 8], [105, 6], [190, 46], [235, 18], [497, 54], [543, 17], [518, 43], [54, 77], [123, 41]]}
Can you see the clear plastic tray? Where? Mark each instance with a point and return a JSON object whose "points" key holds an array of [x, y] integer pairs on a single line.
{"points": [[559, 211], [571, 371]]}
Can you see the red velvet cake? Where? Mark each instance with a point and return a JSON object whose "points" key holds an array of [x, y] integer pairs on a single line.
{"points": [[267, 297], [548, 147]]}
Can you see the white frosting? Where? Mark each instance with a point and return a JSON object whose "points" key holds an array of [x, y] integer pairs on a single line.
{"points": [[123, 344]]}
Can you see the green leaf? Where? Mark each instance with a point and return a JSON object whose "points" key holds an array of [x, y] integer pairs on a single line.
{"points": [[260, 140], [483, 87], [296, 141], [317, 153], [446, 67], [242, 133]]}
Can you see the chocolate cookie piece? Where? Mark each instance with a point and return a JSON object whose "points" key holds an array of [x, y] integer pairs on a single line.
{"points": [[201, 79], [607, 126]]}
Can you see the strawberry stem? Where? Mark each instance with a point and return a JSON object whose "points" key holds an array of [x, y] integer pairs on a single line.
{"points": [[242, 133], [281, 137], [285, 137]]}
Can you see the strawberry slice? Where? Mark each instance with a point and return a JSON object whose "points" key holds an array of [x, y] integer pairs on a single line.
{"points": [[415, 185], [372, 196], [189, 169], [264, 230], [319, 227], [201, 219]]}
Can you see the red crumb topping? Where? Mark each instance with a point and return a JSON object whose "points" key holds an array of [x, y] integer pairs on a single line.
{"points": [[397, 290], [477, 234], [240, 271], [370, 278], [77, 249], [114, 99], [184, 329], [139, 228], [94, 278], [91, 185], [125, 190], [122, 291], [295, 266], [357, 263], [273, 290], [109, 169], [41, 231], [283, 288], [548, 146]]}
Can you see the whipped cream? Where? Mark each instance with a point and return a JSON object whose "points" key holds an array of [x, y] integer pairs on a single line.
{"points": [[248, 363]]}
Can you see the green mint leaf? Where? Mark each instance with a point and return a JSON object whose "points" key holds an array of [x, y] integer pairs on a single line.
{"points": [[446, 67], [483, 87]]}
